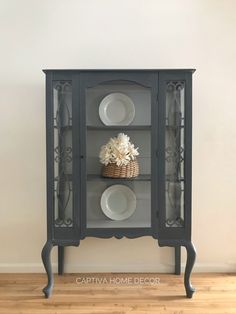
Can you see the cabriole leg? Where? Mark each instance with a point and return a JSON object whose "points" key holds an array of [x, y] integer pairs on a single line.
{"points": [[48, 267], [177, 260], [60, 259], [191, 256]]}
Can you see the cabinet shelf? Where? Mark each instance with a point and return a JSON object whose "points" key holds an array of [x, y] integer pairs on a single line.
{"points": [[97, 177], [171, 127], [119, 127], [63, 128], [170, 178], [167, 125], [67, 176], [124, 127]]}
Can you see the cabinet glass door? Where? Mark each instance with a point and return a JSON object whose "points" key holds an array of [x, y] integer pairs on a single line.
{"points": [[174, 153], [114, 107], [63, 163]]}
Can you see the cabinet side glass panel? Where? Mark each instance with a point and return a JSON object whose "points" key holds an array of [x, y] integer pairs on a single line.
{"points": [[174, 153], [63, 188]]}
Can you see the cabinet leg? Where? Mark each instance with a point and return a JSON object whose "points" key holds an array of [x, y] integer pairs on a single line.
{"points": [[47, 290], [191, 256], [60, 260], [177, 260]]}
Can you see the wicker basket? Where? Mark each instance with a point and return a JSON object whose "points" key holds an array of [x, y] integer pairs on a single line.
{"points": [[126, 171]]}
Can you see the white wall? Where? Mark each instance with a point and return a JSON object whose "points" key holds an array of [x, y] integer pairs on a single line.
{"points": [[117, 34]]}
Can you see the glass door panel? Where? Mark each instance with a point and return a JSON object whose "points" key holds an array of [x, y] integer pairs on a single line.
{"points": [[117, 112]]}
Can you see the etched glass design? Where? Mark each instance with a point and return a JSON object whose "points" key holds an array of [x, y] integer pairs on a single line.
{"points": [[174, 153], [63, 189]]}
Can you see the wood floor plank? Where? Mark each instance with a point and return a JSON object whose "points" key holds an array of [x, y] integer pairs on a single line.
{"points": [[107, 293]]}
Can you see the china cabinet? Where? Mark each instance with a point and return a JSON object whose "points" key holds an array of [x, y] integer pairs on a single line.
{"points": [[154, 109]]}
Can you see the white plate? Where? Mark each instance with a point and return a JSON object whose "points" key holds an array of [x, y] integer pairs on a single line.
{"points": [[118, 202], [116, 109]]}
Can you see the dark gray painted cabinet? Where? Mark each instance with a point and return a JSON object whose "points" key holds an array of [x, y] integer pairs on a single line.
{"points": [[161, 128]]}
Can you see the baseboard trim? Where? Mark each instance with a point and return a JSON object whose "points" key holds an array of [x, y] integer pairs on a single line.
{"points": [[92, 268]]}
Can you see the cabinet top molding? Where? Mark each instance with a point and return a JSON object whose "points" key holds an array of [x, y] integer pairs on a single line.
{"points": [[118, 70]]}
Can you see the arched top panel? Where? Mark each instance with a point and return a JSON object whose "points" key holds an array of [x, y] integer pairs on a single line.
{"points": [[144, 80]]}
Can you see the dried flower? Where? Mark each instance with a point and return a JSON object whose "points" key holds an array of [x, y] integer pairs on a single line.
{"points": [[118, 150]]}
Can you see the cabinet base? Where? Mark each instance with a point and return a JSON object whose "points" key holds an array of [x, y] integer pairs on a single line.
{"points": [[191, 256]]}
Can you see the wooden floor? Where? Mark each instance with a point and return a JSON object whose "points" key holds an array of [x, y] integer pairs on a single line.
{"points": [[118, 293]]}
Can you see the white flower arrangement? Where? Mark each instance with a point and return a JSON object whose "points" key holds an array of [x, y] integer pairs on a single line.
{"points": [[118, 150]]}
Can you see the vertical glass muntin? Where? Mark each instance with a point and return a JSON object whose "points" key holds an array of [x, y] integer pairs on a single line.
{"points": [[174, 153], [62, 110]]}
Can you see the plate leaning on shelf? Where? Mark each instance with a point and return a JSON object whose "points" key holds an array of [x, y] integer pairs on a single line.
{"points": [[118, 202], [116, 109]]}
